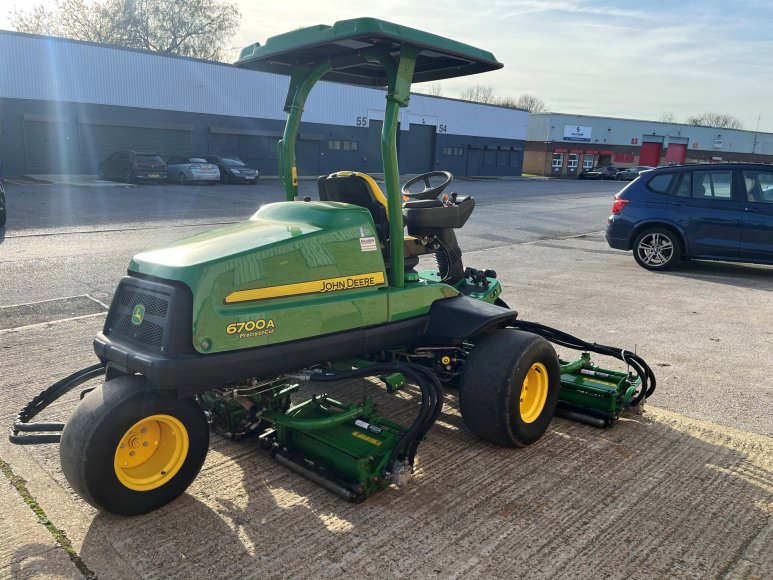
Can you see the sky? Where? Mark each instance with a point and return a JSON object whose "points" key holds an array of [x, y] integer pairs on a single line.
{"points": [[634, 60]]}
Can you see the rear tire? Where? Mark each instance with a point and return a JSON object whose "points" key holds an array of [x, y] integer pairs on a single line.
{"points": [[509, 387], [657, 249], [128, 449]]}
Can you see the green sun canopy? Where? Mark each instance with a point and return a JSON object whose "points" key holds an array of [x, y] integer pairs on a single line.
{"points": [[344, 43]]}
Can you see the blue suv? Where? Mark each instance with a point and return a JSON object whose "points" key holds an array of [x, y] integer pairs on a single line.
{"points": [[721, 211]]}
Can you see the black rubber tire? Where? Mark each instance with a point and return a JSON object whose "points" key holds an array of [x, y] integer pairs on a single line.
{"points": [[490, 389], [182, 180], [128, 177], [655, 264], [101, 174], [93, 432]]}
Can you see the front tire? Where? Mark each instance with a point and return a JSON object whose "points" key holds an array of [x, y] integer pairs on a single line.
{"points": [[128, 449], [657, 249], [182, 179], [509, 388]]}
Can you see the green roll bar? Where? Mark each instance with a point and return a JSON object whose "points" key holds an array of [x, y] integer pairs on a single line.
{"points": [[370, 52]]}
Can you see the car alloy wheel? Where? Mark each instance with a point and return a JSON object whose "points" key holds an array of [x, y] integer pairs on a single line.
{"points": [[657, 249]]}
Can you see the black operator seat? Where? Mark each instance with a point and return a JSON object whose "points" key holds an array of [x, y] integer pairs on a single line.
{"points": [[358, 189]]}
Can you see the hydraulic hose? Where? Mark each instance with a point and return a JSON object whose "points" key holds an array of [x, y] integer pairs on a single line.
{"points": [[648, 381], [43, 400]]}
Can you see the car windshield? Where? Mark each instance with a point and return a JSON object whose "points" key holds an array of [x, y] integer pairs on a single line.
{"points": [[196, 160], [149, 158], [234, 162]]}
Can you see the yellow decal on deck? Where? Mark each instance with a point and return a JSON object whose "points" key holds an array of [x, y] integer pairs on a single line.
{"points": [[364, 437], [294, 171], [313, 287]]}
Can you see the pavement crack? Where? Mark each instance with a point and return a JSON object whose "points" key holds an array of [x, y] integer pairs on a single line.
{"points": [[20, 485]]}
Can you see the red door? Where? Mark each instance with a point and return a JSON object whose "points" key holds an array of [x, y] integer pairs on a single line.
{"points": [[650, 154], [676, 153]]}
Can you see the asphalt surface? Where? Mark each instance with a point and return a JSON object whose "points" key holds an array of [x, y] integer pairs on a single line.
{"points": [[683, 491]]}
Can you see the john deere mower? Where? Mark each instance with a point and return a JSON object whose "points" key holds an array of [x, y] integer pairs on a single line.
{"points": [[218, 331]]}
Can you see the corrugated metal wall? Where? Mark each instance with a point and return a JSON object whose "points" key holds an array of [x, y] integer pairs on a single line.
{"points": [[51, 69]]}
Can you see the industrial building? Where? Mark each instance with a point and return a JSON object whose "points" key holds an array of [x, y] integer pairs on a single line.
{"points": [[561, 145], [65, 105]]}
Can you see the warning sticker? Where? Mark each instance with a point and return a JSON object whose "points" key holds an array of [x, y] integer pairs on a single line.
{"points": [[368, 244]]}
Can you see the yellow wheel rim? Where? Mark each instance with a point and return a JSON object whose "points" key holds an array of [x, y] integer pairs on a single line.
{"points": [[151, 452], [534, 393]]}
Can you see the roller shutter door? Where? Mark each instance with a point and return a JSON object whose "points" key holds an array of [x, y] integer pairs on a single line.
{"points": [[417, 151], [650, 154], [257, 151], [49, 148], [308, 157], [473, 161], [102, 140], [374, 164], [223, 144], [676, 153]]}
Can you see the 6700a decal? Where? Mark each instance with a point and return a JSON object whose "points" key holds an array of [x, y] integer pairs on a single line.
{"points": [[251, 328]]}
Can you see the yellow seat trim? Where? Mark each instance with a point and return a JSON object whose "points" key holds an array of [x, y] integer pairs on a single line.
{"points": [[374, 188]]}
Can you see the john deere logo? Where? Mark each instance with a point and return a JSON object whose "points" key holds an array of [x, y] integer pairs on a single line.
{"points": [[138, 315]]}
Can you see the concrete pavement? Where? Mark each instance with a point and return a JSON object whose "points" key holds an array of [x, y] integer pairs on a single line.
{"points": [[663, 495]]}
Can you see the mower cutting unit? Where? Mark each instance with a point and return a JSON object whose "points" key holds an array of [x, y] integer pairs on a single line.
{"points": [[218, 331]]}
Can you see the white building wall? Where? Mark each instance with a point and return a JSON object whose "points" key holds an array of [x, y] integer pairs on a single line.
{"points": [[51, 69], [611, 131]]}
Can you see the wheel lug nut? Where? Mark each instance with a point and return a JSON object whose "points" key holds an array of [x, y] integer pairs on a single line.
{"points": [[131, 453]]}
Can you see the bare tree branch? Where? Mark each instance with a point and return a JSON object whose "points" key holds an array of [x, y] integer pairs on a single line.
{"points": [[717, 120], [196, 28], [531, 103], [479, 94], [485, 94]]}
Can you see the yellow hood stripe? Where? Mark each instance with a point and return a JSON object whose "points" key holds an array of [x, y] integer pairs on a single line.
{"points": [[312, 287]]}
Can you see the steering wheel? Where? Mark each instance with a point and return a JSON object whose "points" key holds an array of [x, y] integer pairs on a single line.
{"points": [[429, 192]]}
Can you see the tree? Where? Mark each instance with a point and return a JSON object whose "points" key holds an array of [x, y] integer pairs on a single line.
{"points": [[667, 117], [479, 94], [434, 89], [531, 103], [485, 94], [716, 120], [195, 28]]}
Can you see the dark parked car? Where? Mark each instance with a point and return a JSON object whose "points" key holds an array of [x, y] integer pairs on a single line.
{"points": [[605, 172], [233, 169], [130, 166], [720, 211]]}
